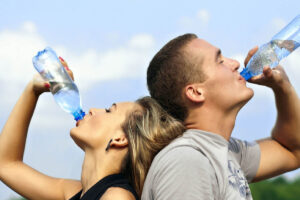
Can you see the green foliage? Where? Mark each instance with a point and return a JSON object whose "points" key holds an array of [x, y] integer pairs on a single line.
{"points": [[276, 189]]}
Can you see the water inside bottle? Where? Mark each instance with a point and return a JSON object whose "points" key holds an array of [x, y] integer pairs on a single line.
{"points": [[66, 95], [270, 54]]}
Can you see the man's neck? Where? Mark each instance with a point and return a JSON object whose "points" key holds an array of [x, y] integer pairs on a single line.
{"points": [[95, 167], [221, 123]]}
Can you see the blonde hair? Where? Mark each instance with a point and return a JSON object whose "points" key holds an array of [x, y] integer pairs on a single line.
{"points": [[148, 131]]}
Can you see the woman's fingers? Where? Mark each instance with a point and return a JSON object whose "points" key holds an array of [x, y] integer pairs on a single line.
{"points": [[64, 63], [39, 84], [47, 85]]}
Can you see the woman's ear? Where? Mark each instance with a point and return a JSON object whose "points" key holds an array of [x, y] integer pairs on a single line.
{"points": [[194, 93], [119, 142]]}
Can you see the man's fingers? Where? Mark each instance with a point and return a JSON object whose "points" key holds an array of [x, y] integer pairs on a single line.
{"points": [[267, 71], [256, 79], [250, 54]]}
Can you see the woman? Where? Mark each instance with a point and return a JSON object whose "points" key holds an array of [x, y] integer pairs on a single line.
{"points": [[119, 145]]}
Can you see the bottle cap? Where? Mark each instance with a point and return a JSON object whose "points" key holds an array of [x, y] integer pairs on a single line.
{"points": [[246, 74], [78, 115]]}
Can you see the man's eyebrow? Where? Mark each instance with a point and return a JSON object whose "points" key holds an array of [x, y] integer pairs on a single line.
{"points": [[218, 54]]}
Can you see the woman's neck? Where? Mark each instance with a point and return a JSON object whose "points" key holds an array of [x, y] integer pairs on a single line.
{"points": [[97, 166]]}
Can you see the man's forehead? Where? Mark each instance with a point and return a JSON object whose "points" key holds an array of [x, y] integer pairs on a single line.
{"points": [[200, 48], [200, 43]]}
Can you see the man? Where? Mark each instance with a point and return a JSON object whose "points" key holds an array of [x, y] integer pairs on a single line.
{"points": [[196, 84]]}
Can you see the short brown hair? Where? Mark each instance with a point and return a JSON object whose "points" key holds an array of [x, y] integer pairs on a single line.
{"points": [[169, 72]]}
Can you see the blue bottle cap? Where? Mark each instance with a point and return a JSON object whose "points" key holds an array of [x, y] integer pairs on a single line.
{"points": [[78, 115], [246, 74]]}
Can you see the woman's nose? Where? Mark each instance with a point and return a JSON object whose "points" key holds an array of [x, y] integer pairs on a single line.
{"points": [[92, 111]]}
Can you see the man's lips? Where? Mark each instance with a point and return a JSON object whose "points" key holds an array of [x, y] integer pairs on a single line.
{"points": [[241, 78]]}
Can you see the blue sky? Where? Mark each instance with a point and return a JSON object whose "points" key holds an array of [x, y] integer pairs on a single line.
{"points": [[108, 45]]}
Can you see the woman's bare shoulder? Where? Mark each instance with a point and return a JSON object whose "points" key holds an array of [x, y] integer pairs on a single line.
{"points": [[117, 193]]}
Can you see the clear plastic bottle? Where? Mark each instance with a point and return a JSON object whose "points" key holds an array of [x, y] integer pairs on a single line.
{"points": [[280, 46], [62, 87]]}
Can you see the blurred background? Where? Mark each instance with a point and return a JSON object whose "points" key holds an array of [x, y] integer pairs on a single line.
{"points": [[108, 45]]}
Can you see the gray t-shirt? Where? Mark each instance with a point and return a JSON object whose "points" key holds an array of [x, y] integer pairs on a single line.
{"points": [[202, 165]]}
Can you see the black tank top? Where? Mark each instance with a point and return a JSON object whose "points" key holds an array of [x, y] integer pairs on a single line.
{"points": [[97, 190]]}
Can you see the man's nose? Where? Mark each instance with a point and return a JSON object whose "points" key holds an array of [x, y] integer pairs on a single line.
{"points": [[235, 65]]}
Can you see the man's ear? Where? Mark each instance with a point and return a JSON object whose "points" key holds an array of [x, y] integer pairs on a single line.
{"points": [[195, 93]]}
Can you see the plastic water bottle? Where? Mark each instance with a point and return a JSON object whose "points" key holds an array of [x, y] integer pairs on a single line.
{"points": [[280, 46], [62, 87]]}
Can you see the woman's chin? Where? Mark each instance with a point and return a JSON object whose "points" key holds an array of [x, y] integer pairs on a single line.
{"points": [[76, 139]]}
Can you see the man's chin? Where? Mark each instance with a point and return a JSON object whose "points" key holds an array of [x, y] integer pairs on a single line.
{"points": [[251, 93], [247, 96]]}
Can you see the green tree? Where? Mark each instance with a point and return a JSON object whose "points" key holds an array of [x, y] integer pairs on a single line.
{"points": [[20, 198], [276, 189]]}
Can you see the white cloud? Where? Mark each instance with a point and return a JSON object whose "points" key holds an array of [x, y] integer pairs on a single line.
{"points": [[199, 19], [16, 52], [19, 46], [127, 61], [29, 27], [203, 16]]}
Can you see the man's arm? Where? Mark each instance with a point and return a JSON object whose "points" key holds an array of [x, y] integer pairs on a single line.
{"points": [[281, 152]]}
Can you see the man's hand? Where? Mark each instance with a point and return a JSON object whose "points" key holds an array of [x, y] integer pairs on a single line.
{"points": [[284, 142], [275, 78]]}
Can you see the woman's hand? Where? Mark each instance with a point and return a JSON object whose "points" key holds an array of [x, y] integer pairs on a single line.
{"points": [[64, 63], [39, 85], [13, 171]]}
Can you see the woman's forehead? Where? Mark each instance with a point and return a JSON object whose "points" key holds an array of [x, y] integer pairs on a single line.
{"points": [[127, 106]]}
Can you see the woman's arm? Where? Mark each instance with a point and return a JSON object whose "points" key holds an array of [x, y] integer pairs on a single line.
{"points": [[13, 172]]}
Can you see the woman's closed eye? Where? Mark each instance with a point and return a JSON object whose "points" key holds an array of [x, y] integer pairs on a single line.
{"points": [[107, 110]]}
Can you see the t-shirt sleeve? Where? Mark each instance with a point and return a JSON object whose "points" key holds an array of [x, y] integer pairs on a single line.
{"points": [[183, 173], [248, 155]]}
